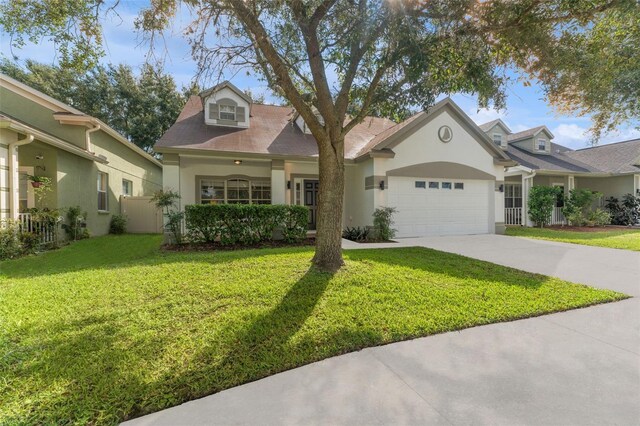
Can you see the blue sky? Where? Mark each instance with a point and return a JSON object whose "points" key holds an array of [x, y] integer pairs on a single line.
{"points": [[526, 106]]}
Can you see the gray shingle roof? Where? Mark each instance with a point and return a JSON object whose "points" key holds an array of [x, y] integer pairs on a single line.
{"points": [[527, 133], [487, 126], [620, 157], [559, 160]]}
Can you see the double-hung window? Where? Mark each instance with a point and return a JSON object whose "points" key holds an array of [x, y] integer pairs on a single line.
{"points": [[542, 144], [103, 195], [228, 112], [497, 139]]}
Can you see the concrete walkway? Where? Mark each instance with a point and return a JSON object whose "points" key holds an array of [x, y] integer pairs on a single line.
{"points": [[577, 367]]}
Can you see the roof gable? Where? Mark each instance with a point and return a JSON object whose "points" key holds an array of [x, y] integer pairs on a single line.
{"points": [[205, 93], [491, 124], [530, 133], [394, 136]]}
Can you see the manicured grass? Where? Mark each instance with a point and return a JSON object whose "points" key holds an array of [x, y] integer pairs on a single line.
{"points": [[627, 239], [111, 328]]}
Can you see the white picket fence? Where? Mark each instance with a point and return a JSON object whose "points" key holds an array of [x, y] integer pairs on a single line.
{"points": [[513, 216], [45, 232]]}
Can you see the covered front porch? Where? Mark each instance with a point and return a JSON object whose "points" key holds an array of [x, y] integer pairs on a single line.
{"points": [[518, 183]]}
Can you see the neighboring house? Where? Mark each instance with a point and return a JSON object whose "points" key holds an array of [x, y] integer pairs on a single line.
{"points": [[438, 168], [613, 169], [89, 163]]}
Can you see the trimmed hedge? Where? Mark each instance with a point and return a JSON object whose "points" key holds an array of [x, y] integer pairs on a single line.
{"points": [[245, 223]]}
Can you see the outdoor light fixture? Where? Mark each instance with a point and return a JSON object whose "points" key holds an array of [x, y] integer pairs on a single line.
{"points": [[501, 188], [382, 185], [39, 157], [237, 162], [288, 184]]}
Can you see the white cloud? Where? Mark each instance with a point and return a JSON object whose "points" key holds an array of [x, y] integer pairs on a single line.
{"points": [[484, 115], [571, 135]]}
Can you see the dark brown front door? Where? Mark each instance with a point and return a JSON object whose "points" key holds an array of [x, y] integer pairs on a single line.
{"points": [[311, 200]]}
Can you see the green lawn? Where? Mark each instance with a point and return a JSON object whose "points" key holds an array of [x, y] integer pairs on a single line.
{"points": [[628, 239], [111, 328]]}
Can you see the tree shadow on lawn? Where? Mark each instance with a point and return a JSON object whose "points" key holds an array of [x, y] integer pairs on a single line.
{"points": [[91, 371], [60, 262]]}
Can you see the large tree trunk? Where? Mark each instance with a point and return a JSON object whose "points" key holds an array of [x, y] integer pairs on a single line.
{"points": [[330, 204]]}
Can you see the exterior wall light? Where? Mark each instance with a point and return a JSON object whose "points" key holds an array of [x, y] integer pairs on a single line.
{"points": [[237, 162], [382, 185]]}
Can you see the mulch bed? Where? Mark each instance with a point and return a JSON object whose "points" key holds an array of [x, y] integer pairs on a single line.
{"points": [[219, 247], [588, 228]]}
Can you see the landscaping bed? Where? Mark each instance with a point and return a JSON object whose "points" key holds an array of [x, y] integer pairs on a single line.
{"points": [[620, 237], [226, 247], [112, 328]]}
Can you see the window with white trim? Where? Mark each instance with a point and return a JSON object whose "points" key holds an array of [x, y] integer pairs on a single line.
{"points": [[227, 112], [421, 184], [127, 188], [434, 185], [542, 144], [497, 139], [512, 195], [103, 195], [458, 185], [235, 191]]}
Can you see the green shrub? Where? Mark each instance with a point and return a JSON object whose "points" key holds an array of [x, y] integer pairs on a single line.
{"points": [[30, 242], [167, 202], [578, 205], [356, 233], [295, 223], [118, 224], [244, 223], [542, 199], [598, 217], [382, 221], [76, 224], [10, 244], [625, 213]]}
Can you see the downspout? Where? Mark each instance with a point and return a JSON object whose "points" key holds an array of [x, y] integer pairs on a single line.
{"points": [[525, 200], [14, 187], [87, 141]]}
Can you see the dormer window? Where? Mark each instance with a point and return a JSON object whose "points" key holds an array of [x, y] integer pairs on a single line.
{"points": [[497, 139], [542, 144], [228, 112]]}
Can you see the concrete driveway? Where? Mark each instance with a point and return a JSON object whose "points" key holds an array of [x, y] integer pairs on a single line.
{"points": [[577, 367]]}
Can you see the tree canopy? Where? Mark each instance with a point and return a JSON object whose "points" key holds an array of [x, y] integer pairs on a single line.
{"points": [[139, 106]]}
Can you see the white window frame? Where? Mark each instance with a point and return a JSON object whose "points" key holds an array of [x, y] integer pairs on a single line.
{"points": [[263, 182], [544, 141], [103, 188], [129, 185], [227, 109], [509, 193], [499, 141]]}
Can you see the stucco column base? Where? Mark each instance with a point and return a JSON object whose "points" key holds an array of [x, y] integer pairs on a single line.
{"points": [[501, 228]]}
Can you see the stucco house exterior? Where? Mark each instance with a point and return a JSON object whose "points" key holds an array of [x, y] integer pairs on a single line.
{"points": [[444, 174], [439, 169], [613, 169], [89, 163]]}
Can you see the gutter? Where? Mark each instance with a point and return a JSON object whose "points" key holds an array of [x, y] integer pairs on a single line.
{"points": [[13, 172], [87, 138]]}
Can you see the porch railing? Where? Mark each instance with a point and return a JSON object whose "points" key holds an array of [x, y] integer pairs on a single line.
{"points": [[557, 218], [45, 232], [513, 216]]}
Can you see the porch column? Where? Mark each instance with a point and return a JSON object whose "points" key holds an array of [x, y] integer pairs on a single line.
{"points": [[527, 183], [14, 176], [278, 182], [4, 180], [571, 183]]}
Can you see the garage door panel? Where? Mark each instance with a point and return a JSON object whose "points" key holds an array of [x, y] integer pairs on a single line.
{"points": [[429, 211]]}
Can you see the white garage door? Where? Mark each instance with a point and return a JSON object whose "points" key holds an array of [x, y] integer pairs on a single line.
{"points": [[441, 207]]}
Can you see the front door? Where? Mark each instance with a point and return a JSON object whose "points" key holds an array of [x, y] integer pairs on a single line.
{"points": [[311, 201]]}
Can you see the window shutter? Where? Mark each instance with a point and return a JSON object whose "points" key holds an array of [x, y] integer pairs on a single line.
{"points": [[240, 114], [213, 111]]}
